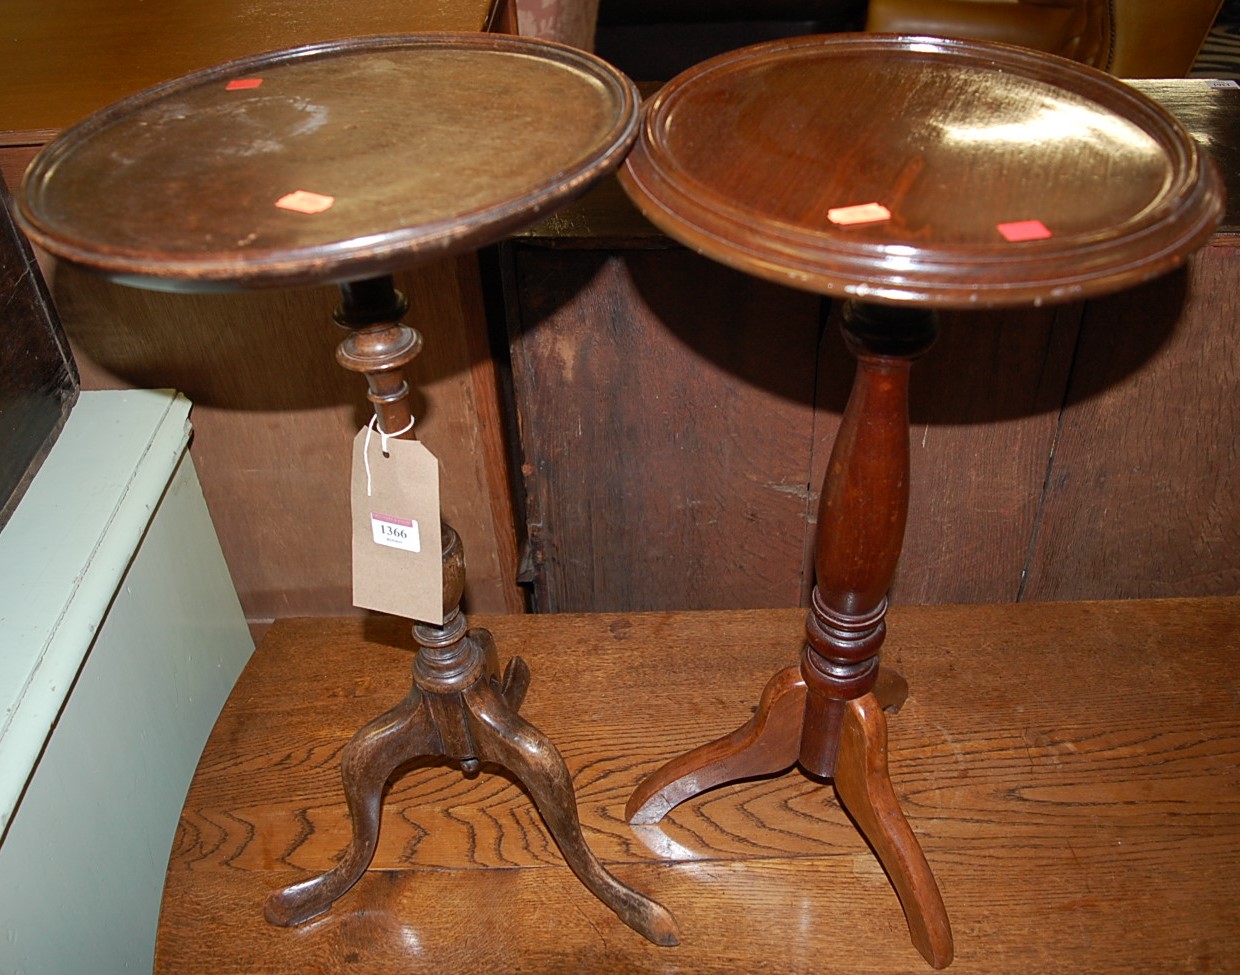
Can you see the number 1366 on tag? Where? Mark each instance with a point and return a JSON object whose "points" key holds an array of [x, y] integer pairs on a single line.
{"points": [[396, 532]]}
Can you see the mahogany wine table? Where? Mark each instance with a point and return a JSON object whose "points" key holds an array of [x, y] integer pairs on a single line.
{"points": [[1071, 767], [338, 164], [902, 175]]}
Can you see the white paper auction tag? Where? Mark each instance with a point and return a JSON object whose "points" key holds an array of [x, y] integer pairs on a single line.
{"points": [[397, 558]]}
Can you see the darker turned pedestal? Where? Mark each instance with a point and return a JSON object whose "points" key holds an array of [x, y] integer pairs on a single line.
{"points": [[900, 175]]}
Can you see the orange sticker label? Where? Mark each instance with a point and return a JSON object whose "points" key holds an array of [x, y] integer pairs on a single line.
{"points": [[1024, 230], [303, 201], [240, 84], [860, 213]]}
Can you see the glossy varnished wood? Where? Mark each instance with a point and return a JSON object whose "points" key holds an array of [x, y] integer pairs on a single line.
{"points": [[743, 159], [760, 159], [425, 146], [1080, 811]]}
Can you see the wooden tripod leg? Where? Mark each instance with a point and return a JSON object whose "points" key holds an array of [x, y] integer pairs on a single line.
{"points": [[864, 787], [503, 737], [369, 759], [769, 742]]}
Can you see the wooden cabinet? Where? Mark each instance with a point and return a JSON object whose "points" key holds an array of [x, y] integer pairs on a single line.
{"points": [[676, 418]]}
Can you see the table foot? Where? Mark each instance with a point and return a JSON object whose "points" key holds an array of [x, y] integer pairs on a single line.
{"points": [[368, 761], [769, 742], [864, 787], [891, 689], [505, 738], [474, 724]]}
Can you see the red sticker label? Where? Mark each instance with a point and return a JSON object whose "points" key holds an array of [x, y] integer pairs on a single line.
{"points": [[303, 201], [1024, 230], [240, 84]]}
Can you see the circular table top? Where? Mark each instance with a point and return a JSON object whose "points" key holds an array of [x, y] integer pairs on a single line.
{"points": [[896, 169], [329, 162]]}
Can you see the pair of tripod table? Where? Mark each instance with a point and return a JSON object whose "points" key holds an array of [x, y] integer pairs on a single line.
{"points": [[900, 175]]}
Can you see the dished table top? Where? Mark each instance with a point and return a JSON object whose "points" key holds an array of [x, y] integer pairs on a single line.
{"points": [[944, 172], [329, 162], [1070, 770]]}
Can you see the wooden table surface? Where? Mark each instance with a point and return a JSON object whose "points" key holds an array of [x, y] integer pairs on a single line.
{"points": [[1070, 769]]}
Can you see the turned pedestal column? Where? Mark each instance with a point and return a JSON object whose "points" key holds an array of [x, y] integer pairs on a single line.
{"points": [[901, 176]]}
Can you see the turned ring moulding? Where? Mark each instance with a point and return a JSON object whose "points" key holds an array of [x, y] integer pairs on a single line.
{"points": [[747, 157]]}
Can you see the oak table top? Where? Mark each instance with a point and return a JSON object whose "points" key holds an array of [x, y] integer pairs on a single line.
{"points": [[330, 162], [1076, 794]]}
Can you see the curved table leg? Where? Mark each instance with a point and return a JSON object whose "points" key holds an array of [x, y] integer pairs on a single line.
{"points": [[768, 742], [507, 739], [864, 787], [368, 761]]}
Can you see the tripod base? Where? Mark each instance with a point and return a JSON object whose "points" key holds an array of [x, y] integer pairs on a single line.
{"points": [[477, 723], [770, 742]]}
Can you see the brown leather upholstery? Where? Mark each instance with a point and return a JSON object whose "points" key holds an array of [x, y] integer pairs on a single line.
{"points": [[1128, 38]]}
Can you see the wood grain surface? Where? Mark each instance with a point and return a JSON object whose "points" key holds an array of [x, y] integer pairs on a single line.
{"points": [[1136, 425], [1070, 770], [758, 158], [1143, 492], [666, 419]]}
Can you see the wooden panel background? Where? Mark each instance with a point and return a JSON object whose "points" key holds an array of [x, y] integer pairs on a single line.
{"points": [[274, 417], [1143, 497], [1081, 451], [667, 421], [61, 60], [677, 418]]}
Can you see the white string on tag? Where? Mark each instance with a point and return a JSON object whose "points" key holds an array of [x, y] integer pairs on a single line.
{"points": [[383, 443]]}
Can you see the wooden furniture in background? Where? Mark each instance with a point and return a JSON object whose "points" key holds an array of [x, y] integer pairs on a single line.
{"points": [[902, 176], [265, 444], [1087, 451], [1080, 811], [38, 378], [194, 187]]}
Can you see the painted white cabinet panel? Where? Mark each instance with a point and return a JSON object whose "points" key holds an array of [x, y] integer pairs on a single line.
{"points": [[120, 639]]}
